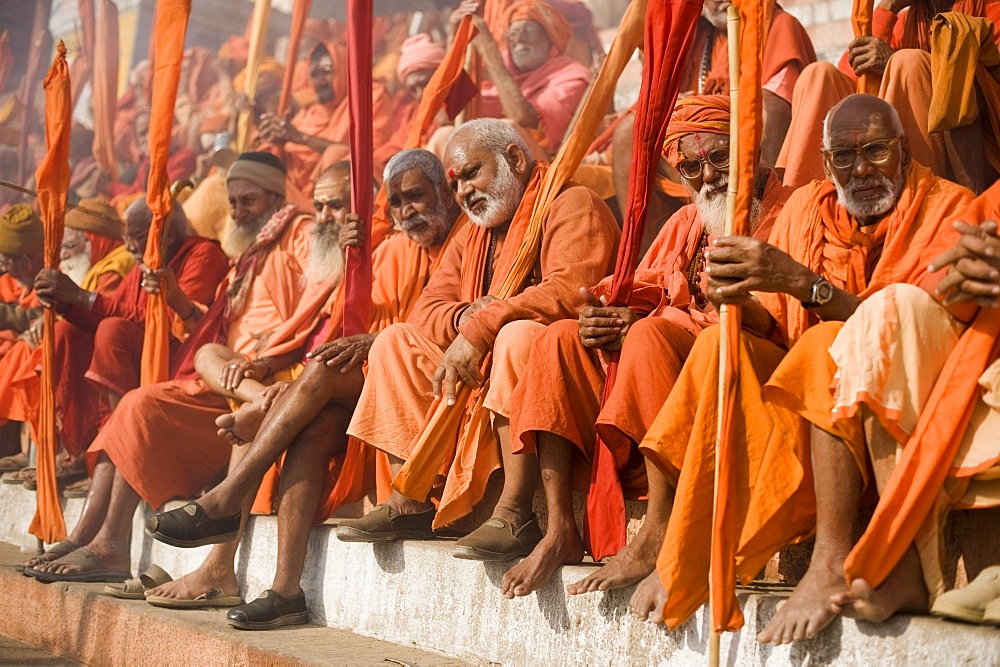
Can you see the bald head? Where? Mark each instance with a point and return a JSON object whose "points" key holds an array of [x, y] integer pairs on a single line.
{"points": [[859, 111], [332, 193], [138, 218]]}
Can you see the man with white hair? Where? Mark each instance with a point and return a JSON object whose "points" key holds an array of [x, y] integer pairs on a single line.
{"points": [[459, 321], [879, 218], [557, 412], [308, 417]]}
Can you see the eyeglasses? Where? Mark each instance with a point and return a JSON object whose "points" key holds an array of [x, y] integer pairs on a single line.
{"points": [[874, 152], [691, 168]]}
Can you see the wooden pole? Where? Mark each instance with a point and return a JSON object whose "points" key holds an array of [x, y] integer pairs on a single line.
{"points": [[733, 25]]}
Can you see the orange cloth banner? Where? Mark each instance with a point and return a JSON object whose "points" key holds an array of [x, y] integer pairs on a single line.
{"points": [[258, 35], [52, 178], [755, 18], [300, 13], [669, 32], [104, 83], [168, 47]]}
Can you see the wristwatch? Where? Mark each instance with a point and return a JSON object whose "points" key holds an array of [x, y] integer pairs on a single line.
{"points": [[822, 293]]}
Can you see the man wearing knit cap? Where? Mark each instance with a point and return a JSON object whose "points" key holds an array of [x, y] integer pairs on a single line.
{"points": [[21, 248], [533, 84], [160, 442], [556, 408]]}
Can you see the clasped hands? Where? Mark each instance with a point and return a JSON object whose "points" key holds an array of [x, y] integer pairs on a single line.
{"points": [[973, 266]]}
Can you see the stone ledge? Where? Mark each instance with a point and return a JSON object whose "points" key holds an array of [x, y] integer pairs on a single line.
{"points": [[415, 594]]}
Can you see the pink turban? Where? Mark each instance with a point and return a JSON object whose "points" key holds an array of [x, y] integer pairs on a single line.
{"points": [[418, 53], [698, 113]]}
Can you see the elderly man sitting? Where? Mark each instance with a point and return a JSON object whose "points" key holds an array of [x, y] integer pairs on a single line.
{"points": [[557, 412], [160, 443], [877, 219], [309, 417]]}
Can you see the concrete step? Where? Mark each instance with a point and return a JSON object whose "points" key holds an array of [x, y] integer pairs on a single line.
{"points": [[416, 594]]}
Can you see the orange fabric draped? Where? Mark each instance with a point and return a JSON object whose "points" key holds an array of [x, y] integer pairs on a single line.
{"points": [[669, 31], [104, 94], [168, 45], [912, 489], [52, 178], [86, 11], [754, 21], [861, 21], [421, 469], [358, 261], [300, 14]]}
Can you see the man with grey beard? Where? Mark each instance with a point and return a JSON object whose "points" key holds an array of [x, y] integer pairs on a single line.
{"points": [[653, 335], [308, 417]]}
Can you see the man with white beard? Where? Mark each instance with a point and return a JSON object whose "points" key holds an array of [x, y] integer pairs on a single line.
{"points": [[557, 412], [308, 417]]}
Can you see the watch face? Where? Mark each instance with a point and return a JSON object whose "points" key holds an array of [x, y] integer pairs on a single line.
{"points": [[823, 292]]}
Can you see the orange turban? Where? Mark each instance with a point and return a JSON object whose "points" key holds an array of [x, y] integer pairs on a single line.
{"points": [[698, 113], [553, 23], [417, 53]]}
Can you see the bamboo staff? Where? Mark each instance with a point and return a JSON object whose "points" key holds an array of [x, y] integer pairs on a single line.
{"points": [[733, 188], [261, 14], [84, 209]]}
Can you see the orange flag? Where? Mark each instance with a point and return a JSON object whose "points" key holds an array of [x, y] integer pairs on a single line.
{"points": [[755, 18], [52, 178], [105, 88], [861, 21], [168, 46], [420, 471], [669, 32], [300, 12]]}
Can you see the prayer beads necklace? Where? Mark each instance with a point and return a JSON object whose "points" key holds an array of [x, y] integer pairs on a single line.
{"points": [[695, 268]]}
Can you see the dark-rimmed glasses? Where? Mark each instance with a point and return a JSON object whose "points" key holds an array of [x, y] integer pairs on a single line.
{"points": [[874, 152], [691, 168]]}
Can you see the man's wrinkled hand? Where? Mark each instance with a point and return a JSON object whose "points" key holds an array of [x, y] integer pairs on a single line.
{"points": [[868, 55], [33, 334], [973, 266], [271, 393], [603, 326], [57, 289], [352, 232], [459, 364], [348, 353], [475, 307], [739, 265], [239, 369]]}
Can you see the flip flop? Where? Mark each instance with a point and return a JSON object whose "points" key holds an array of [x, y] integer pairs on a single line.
{"points": [[212, 598], [58, 550], [92, 567], [63, 477], [136, 587]]}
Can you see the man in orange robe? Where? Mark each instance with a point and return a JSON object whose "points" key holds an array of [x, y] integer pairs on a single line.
{"points": [[706, 72], [557, 429], [21, 239], [456, 324], [317, 135], [308, 418], [532, 82], [878, 219], [897, 59], [161, 442]]}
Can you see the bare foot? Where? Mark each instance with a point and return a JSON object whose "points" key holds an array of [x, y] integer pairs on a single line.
{"points": [[810, 608], [241, 427], [903, 590], [48, 556], [558, 547], [207, 577], [648, 600], [110, 557], [631, 564]]}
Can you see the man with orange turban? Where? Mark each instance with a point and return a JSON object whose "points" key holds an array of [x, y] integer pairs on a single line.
{"points": [[533, 83], [556, 411], [317, 136], [879, 218]]}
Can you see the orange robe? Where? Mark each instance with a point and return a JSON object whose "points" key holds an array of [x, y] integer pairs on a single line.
{"points": [[162, 437], [577, 247], [652, 354], [774, 497]]}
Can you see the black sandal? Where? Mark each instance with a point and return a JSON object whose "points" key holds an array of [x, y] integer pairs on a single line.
{"points": [[188, 526], [269, 611]]}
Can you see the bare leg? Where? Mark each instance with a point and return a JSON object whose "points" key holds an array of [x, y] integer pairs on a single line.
{"points": [[648, 599], [210, 360], [302, 480], [294, 411], [838, 489], [521, 477], [903, 590], [111, 544], [638, 559], [562, 543], [399, 502]]}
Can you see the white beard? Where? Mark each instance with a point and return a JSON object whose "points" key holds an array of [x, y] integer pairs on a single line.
{"points": [[326, 257], [712, 209], [501, 202], [237, 238], [78, 266], [875, 209]]}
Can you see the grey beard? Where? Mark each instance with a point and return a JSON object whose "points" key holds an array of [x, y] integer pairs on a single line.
{"points": [[78, 266], [326, 257], [876, 209], [237, 238], [713, 211], [502, 200]]}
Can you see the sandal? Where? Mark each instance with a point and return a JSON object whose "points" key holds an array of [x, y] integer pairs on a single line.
{"points": [[213, 598], [188, 526], [63, 477], [92, 570], [78, 489], [56, 551], [136, 587], [18, 476]]}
